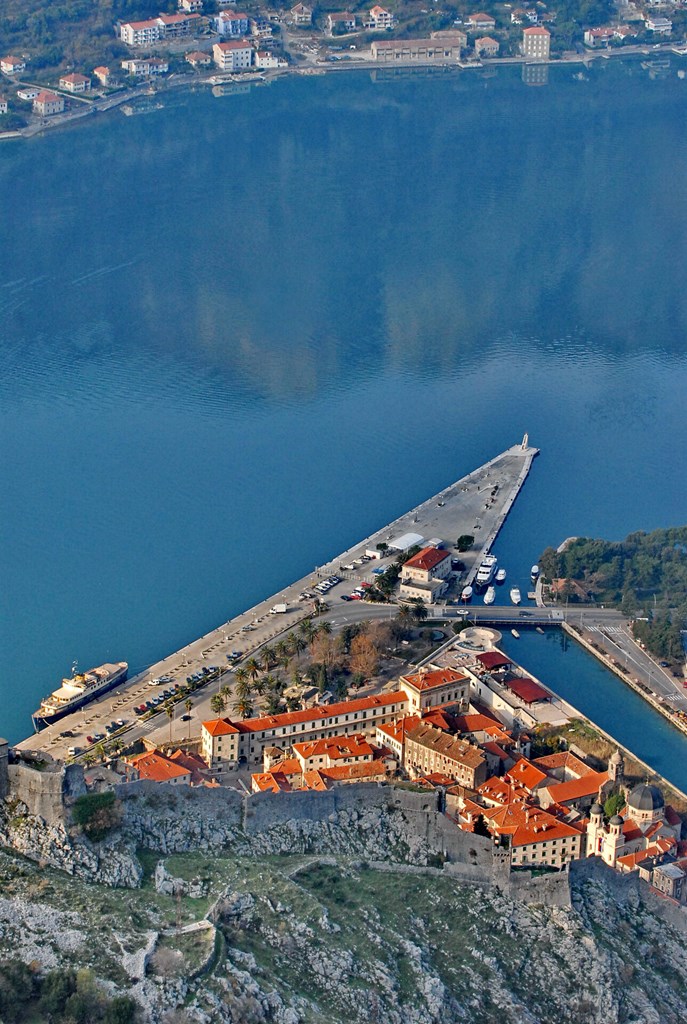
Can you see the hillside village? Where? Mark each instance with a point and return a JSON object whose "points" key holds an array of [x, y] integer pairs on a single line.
{"points": [[56, 60]]}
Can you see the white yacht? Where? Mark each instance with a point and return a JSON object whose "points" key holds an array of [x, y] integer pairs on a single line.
{"points": [[486, 571], [515, 595], [500, 576], [466, 593], [489, 596]]}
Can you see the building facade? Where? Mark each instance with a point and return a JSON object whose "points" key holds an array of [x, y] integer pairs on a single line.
{"points": [[428, 750], [536, 42], [48, 103], [233, 56], [75, 83]]}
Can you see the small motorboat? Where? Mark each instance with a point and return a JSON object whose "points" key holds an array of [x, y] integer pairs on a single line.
{"points": [[515, 595], [489, 596], [466, 593], [515, 633], [500, 576], [540, 630], [534, 572]]}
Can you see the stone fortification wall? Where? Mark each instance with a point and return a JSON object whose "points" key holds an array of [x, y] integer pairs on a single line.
{"points": [[377, 823], [44, 793]]}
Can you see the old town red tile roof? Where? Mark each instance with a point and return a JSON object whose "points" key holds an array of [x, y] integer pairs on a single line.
{"points": [[398, 730], [427, 559], [631, 860], [314, 714], [576, 789], [429, 680], [526, 774], [158, 768], [271, 782], [536, 30], [334, 747], [563, 759], [527, 825]]}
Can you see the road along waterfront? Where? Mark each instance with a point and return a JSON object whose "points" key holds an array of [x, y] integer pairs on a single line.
{"points": [[477, 504]]}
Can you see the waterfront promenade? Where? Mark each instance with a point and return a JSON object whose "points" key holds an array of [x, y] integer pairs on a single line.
{"points": [[477, 504]]}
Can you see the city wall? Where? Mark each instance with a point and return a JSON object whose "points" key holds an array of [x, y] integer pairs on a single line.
{"points": [[369, 821]]}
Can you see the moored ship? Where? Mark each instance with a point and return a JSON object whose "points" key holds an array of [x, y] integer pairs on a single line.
{"points": [[78, 690]]}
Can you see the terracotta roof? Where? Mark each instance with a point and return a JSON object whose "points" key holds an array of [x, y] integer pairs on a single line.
{"points": [[287, 766], [157, 767], [74, 78], [271, 782], [398, 729], [219, 727], [46, 97], [334, 747], [150, 23], [632, 860], [437, 677], [536, 30], [428, 558], [321, 713], [528, 825], [234, 44], [11, 60], [313, 780], [437, 779], [563, 759], [575, 789], [441, 719], [495, 749], [481, 16], [195, 764], [526, 774], [359, 771], [501, 791]]}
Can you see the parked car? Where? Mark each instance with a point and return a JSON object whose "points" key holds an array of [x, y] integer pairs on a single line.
{"points": [[345, 597]]}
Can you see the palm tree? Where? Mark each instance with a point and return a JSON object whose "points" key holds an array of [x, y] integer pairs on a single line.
{"points": [[419, 610], [405, 614], [240, 675], [244, 708], [267, 657], [243, 688], [169, 711], [324, 628], [218, 704], [252, 668], [188, 704], [225, 691], [297, 643], [281, 650], [307, 629], [260, 685]]}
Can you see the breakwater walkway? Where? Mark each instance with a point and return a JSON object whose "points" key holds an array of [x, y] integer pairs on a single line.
{"points": [[477, 504]]}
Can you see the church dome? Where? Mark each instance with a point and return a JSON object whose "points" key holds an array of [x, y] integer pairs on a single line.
{"points": [[646, 798], [616, 758], [596, 809], [616, 820]]}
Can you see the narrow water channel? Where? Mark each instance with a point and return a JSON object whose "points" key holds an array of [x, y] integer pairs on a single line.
{"points": [[576, 676]]}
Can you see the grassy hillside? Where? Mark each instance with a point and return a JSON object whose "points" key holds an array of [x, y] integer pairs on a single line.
{"points": [[306, 940]]}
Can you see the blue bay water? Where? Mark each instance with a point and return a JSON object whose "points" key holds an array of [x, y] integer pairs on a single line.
{"points": [[603, 697], [241, 332]]}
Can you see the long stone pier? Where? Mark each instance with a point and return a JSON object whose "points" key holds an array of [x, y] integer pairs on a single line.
{"points": [[477, 504]]}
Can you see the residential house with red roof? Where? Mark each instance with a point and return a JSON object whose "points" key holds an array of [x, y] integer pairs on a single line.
{"points": [[48, 103], [233, 56], [481, 22], [75, 83], [12, 65], [425, 575], [536, 42]]}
